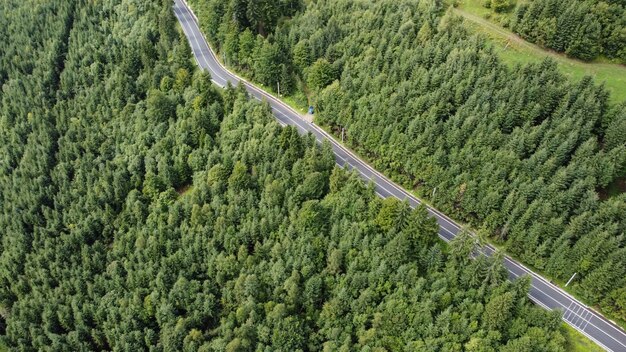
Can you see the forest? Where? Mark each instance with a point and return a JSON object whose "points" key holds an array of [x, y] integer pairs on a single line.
{"points": [[142, 209], [582, 29], [522, 154]]}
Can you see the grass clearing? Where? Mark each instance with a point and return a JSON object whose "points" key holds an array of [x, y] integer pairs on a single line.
{"points": [[475, 7], [514, 50]]}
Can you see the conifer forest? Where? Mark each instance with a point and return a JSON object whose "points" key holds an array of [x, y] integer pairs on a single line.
{"points": [[524, 155], [142, 208]]}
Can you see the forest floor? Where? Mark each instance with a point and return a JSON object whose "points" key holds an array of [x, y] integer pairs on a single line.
{"points": [[184, 189], [515, 50], [617, 187], [614, 189]]}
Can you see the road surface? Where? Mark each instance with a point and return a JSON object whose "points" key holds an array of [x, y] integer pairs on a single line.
{"points": [[542, 292]]}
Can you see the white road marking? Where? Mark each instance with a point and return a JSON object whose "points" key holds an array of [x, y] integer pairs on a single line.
{"points": [[587, 322], [200, 46], [567, 311], [539, 303], [562, 305]]}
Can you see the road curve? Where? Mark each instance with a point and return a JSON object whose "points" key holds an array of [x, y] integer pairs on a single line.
{"points": [[542, 292]]}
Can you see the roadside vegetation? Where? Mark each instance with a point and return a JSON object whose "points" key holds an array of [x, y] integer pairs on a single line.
{"points": [[577, 342], [521, 153]]}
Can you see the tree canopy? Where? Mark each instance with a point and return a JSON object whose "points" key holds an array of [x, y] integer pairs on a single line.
{"points": [[523, 154], [144, 210]]}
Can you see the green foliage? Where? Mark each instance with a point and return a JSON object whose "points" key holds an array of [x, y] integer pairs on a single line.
{"points": [[302, 55], [500, 5], [513, 51], [520, 152], [267, 67], [159, 214], [246, 48], [320, 74], [261, 16], [583, 29], [577, 342], [159, 107], [497, 313]]}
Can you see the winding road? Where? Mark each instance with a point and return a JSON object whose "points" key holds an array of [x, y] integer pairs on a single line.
{"points": [[542, 292]]}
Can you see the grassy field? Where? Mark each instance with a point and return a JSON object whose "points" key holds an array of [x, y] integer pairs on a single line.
{"points": [[513, 50]]}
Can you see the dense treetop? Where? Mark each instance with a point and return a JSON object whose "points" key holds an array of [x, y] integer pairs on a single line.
{"points": [[521, 153], [143, 210]]}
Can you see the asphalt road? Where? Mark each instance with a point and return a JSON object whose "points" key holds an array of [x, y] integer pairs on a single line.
{"points": [[542, 292]]}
